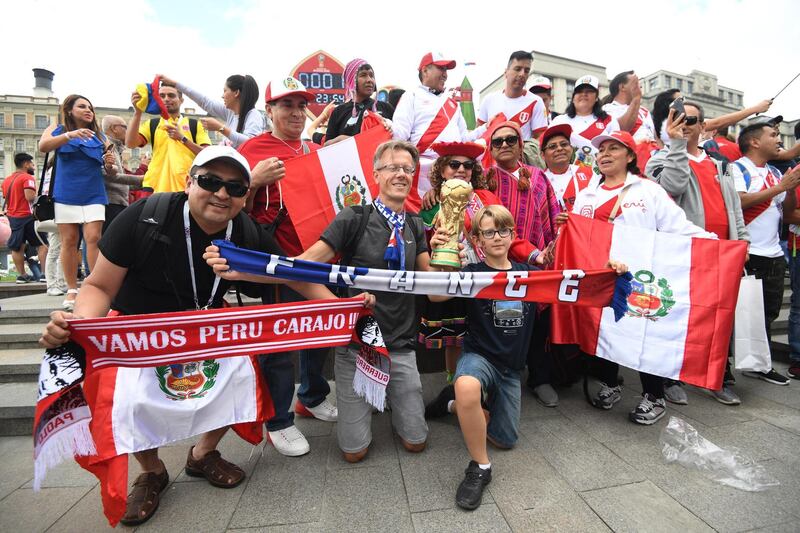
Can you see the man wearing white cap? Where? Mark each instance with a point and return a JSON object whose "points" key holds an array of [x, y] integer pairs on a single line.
{"points": [[215, 192], [514, 102], [586, 117], [286, 102], [542, 87], [426, 115]]}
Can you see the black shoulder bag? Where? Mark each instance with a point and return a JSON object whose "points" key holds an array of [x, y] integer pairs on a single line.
{"points": [[44, 207]]}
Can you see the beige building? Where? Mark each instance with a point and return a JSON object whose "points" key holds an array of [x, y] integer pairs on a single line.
{"points": [[562, 72], [23, 118]]}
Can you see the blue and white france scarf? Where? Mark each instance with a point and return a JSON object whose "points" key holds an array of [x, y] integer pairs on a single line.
{"points": [[395, 253]]}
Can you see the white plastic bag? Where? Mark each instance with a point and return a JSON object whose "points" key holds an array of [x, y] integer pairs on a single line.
{"points": [[750, 346], [682, 443]]}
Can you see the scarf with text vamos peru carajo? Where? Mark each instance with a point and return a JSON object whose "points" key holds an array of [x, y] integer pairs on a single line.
{"points": [[152, 380], [679, 314]]}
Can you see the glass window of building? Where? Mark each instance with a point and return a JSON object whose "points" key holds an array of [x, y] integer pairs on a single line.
{"points": [[570, 87], [19, 122], [652, 84], [41, 122], [2, 120], [679, 84], [689, 87], [19, 145]]}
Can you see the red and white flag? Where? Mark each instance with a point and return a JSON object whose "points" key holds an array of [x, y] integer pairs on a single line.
{"points": [[320, 184], [680, 311]]}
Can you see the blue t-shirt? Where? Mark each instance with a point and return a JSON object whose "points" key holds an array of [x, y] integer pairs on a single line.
{"points": [[499, 330], [79, 176]]}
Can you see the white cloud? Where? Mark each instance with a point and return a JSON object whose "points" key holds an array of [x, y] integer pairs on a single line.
{"points": [[102, 49]]}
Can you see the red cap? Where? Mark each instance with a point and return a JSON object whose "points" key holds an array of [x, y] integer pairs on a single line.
{"points": [[620, 136], [435, 58], [471, 150], [552, 131], [278, 88]]}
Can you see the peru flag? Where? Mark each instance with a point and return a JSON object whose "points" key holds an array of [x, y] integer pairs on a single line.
{"points": [[320, 184], [680, 311]]}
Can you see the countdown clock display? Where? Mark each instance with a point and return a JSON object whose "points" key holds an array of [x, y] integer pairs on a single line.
{"points": [[323, 76]]}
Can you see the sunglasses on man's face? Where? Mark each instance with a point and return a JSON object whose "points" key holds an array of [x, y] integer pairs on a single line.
{"points": [[511, 140], [455, 165], [212, 183]]}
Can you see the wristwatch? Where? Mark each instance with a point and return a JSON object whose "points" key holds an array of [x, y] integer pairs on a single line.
{"points": [[184, 139]]}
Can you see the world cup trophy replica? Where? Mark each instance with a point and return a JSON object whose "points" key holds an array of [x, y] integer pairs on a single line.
{"points": [[453, 201]]}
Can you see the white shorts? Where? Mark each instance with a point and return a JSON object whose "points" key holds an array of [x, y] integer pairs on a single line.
{"points": [[79, 214]]}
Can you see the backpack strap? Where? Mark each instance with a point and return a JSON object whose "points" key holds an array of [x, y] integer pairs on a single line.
{"points": [[193, 129], [745, 174], [250, 238], [149, 227], [363, 212], [153, 123], [306, 148]]}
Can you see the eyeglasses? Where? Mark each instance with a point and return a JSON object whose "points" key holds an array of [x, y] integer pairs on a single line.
{"points": [[511, 140], [123, 126], [564, 145], [490, 233], [212, 183], [455, 165], [396, 169]]}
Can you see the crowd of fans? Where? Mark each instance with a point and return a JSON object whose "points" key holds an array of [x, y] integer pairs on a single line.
{"points": [[535, 169]]}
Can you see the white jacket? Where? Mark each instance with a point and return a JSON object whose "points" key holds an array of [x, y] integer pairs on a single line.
{"points": [[645, 205]]}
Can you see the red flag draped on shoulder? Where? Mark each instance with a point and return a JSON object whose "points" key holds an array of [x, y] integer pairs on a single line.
{"points": [[320, 184], [680, 311]]}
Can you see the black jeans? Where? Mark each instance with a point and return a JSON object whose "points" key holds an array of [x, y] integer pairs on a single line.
{"points": [[608, 372], [540, 360], [771, 271]]}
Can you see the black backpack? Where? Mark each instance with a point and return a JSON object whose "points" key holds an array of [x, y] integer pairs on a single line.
{"points": [[154, 126]]}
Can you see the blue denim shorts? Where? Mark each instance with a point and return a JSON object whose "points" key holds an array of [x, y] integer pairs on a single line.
{"points": [[503, 394]]}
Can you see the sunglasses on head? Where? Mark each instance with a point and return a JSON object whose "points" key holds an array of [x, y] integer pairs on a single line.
{"points": [[455, 165], [511, 140], [213, 183]]}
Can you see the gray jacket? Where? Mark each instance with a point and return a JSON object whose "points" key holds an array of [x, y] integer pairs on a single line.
{"points": [[669, 167], [118, 187]]}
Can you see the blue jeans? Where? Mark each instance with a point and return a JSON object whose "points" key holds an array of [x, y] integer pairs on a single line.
{"points": [[503, 394], [278, 370], [794, 311]]}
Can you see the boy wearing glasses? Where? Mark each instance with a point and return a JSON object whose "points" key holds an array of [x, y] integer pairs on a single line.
{"points": [[495, 349]]}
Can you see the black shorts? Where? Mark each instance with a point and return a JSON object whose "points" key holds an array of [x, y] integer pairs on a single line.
{"points": [[22, 231]]}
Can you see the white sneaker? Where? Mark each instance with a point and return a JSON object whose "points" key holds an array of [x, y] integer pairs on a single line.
{"points": [[325, 411], [289, 442], [55, 291]]}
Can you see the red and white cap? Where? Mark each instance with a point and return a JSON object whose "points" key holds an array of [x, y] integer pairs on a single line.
{"points": [[435, 58], [588, 79], [226, 153], [552, 131], [542, 81], [620, 136], [280, 87]]}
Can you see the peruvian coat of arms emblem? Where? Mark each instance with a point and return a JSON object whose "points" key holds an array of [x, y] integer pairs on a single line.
{"points": [[187, 380], [650, 298]]}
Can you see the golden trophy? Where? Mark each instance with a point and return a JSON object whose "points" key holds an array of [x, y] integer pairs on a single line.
{"points": [[453, 200]]}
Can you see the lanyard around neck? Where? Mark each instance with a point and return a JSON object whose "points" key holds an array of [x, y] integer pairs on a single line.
{"points": [[187, 231]]}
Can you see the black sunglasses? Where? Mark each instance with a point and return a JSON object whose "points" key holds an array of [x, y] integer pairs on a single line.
{"points": [[455, 165], [690, 121], [212, 183], [511, 140]]}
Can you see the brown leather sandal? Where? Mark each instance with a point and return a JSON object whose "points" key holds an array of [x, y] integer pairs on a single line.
{"points": [[144, 497], [215, 469]]}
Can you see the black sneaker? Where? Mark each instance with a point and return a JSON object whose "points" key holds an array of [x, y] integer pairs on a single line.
{"points": [[438, 407], [649, 411], [770, 377], [25, 279], [470, 491], [607, 396]]}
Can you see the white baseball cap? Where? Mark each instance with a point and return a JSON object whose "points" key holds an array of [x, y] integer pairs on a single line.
{"points": [[588, 79], [542, 81], [220, 152], [280, 87]]}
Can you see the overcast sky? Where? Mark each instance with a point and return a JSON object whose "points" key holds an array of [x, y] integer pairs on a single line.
{"points": [[102, 49]]}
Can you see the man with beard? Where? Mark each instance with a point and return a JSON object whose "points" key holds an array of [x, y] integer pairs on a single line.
{"points": [[175, 142]]}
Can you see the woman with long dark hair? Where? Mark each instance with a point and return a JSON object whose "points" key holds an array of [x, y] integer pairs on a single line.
{"points": [[79, 189], [240, 119], [586, 117], [645, 205]]}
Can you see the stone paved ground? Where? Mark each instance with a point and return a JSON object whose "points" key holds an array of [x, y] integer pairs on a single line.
{"points": [[575, 469]]}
